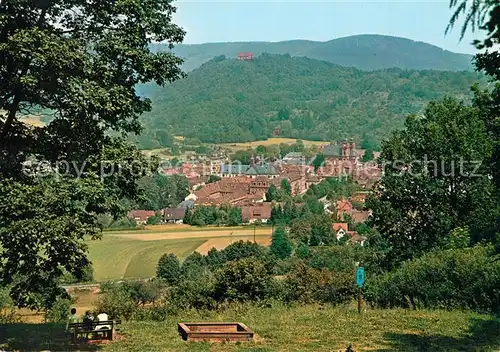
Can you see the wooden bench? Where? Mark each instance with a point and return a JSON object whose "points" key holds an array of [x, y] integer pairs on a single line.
{"points": [[106, 329]]}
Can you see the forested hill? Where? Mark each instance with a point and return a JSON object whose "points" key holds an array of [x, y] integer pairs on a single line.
{"points": [[226, 100], [366, 52]]}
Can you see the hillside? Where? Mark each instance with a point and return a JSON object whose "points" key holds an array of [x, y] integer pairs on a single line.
{"points": [[366, 52], [226, 100]]}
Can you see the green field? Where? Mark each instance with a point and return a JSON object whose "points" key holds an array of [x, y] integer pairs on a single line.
{"points": [[290, 329], [115, 258], [134, 254]]}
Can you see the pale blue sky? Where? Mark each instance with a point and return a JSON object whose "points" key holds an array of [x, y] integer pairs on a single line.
{"points": [[225, 21]]}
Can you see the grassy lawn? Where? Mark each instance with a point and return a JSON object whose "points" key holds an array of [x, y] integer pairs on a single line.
{"points": [[117, 257], [303, 328], [135, 253]]}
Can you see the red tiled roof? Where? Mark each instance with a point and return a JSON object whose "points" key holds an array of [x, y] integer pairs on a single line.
{"points": [[343, 205], [340, 225], [140, 215], [261, 211]]}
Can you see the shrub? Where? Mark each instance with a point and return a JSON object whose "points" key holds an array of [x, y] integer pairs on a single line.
{"points": [[306, 285], [243, 249], [197, 294], [245, 279], [142, 292], [169, 268], [281, 245], [117, 303], [59, 312], [8, 311], [154, 220], [466, 278], [88, 276], [303, 251], [193, 266]]}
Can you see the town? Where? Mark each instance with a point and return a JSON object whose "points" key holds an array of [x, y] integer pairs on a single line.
{"points": [[222, 182]]}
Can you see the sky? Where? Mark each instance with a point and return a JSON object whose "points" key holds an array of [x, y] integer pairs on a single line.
{"points": [[209, 21]]}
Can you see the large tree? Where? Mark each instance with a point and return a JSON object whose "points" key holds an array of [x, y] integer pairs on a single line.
{"points": [[78, 61], [484, 15], [437, 177]]}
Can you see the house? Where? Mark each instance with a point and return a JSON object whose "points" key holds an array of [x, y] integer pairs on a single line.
{"points": [[359, 216], [294, 158], [252, 170], [140, 216], [355, 238], [359, 197], [342, 206], [258, 211], [245, 56], [174, 215], [340, 229]]}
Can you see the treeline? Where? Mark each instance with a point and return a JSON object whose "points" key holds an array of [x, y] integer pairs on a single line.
{"points": [[232, 101], [211, 215]]}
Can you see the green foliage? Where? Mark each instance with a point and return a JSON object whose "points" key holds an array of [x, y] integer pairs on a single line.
{"points": [[303, 251], [60, 311], [334, 188], [117, 303], [307, 285], [154, 220], [281, 246], [242, 280], [169, 268], [213, 178], [437, 177], [82, 69], [319, 161], [305, 98], [285, 186], [87, 276], [160, 191], [461, 278], [271, 193], [8, 312], [368, 156], [211, 215]]}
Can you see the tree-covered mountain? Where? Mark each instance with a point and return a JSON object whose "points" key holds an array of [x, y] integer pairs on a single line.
{"points": [[226, 100], [366, 52]]}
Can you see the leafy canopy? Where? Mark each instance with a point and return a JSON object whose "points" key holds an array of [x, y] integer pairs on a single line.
{"points": [[78, 61]]}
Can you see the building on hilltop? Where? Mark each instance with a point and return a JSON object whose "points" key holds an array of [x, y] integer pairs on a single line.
{"points": [[245, 56]]}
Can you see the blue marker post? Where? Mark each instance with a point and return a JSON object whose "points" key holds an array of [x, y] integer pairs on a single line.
{"points": [[360, 281]]}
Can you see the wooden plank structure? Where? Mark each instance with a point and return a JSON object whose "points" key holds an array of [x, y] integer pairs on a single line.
{"points": [[105, 329], [215, 332]]}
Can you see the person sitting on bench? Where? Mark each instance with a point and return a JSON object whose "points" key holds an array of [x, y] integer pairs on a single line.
{"points": [[102, 317], [73, 318]]}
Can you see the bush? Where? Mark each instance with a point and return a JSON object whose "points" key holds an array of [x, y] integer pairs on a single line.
{"points": [[281, 245], [59, 312], [193, 266], [142, 292], [88, 276], [117, 303], [245, 279], [243, 249], [197, 294], [458, 278], [8, 311], [169, 268], [306, 285]]}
